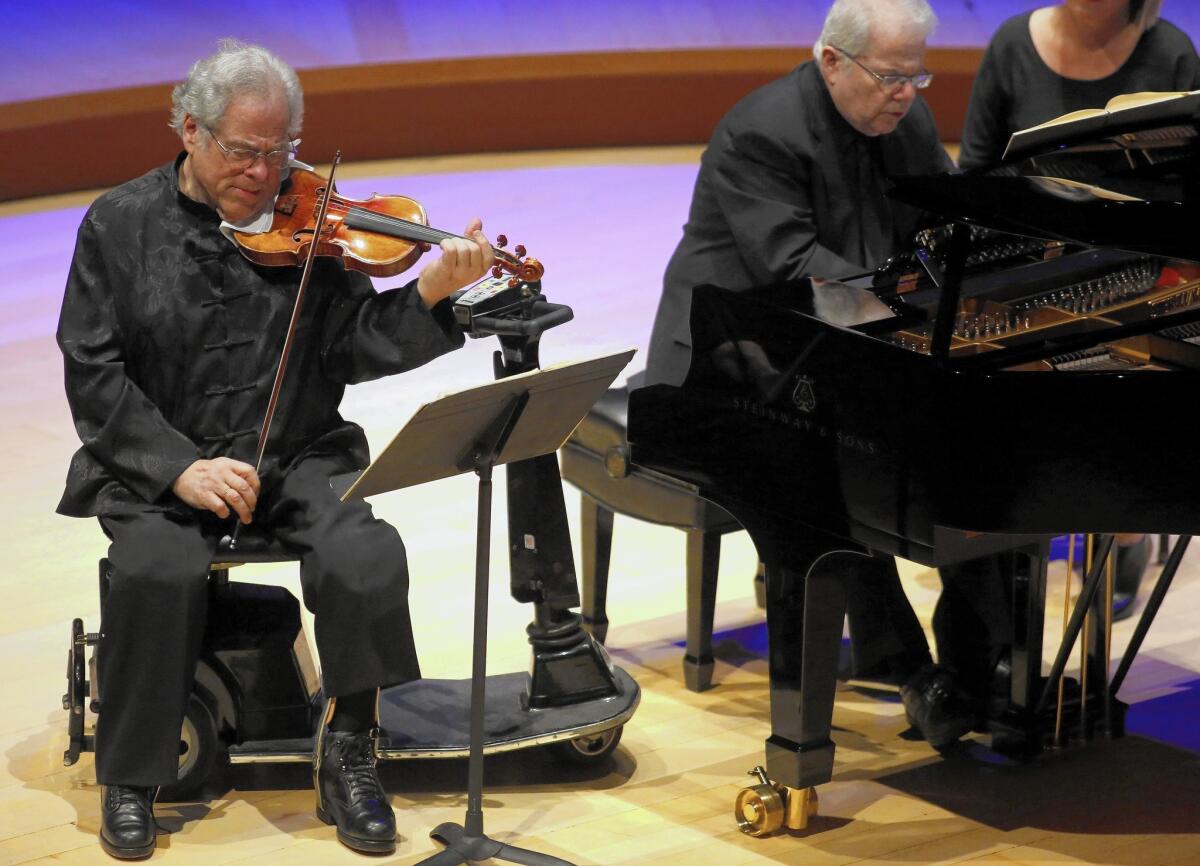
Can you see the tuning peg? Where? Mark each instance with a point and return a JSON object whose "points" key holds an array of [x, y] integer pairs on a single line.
{"points": [[496, 271], [501, 240], [520, 251]]}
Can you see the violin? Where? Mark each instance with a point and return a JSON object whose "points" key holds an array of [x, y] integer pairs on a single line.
{"points": [[381, 236]]}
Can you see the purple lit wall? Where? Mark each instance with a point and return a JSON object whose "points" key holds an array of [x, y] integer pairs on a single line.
{"points": [[50, 49]]}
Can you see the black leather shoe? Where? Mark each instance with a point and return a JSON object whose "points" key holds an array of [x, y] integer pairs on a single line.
{"points": [[127, 821], [934, 705], [350, 795], [1127, 577]]}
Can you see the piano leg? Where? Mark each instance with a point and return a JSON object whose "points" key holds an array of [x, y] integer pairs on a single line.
{"points": [[703, 557], [596, 528], [1029, 606], [1106, 714], [806, 605], [1018, 731], [1022, 730]]}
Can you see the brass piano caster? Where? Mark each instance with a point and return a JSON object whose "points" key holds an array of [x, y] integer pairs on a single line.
{"points": [[759, 810], [766, 807]]}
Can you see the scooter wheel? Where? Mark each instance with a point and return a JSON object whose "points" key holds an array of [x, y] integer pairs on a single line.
{"points": [[198, 749], [588, 749]]}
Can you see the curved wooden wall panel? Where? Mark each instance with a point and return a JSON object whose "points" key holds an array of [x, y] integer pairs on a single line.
{"points": [[426, 108]]}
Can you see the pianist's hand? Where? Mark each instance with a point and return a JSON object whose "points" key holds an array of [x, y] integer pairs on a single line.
{"points": [[746, 363], [845, 305]]}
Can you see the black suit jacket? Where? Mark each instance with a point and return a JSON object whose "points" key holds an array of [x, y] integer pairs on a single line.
{"points": [[788, 189]]}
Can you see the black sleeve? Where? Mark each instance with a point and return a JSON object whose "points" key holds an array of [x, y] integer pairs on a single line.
{"points": [[762, 190], [986, 128], [118, 424], [369, 334], [1188, 67]]}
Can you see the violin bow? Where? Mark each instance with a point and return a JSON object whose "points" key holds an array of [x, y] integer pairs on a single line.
{"points": [[269, 416]]}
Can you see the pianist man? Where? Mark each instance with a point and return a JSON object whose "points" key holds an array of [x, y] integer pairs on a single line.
{"points": [[792, 186]]}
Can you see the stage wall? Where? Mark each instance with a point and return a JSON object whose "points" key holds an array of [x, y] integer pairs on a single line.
{"points": [[84, 87]]}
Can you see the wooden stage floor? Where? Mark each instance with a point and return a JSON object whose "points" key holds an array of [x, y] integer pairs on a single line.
{"points": [[604, 223]]}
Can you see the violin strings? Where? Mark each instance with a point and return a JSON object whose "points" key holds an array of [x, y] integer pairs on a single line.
{"points": [[415, 231], [421, 231]]}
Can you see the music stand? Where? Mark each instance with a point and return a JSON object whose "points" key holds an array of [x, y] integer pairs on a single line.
{"points": [[515, 418]]}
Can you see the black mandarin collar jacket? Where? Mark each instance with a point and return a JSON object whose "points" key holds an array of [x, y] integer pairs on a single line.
{"points": [[171, 339]]}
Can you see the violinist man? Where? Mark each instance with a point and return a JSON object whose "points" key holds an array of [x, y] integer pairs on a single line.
{"points": [[792, 185], [171, 339]]}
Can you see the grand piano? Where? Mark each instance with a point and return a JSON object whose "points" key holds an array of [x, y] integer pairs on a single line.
{"points": [[1009, 378]]}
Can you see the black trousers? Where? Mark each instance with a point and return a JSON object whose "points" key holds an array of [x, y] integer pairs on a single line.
{"points": [[972, 622], [885, 635], [354, 576]]}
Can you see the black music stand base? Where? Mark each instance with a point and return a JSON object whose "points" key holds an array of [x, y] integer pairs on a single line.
{"points": [[465, 847]]}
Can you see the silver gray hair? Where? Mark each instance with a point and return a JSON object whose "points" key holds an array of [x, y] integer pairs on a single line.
{"points": [[848, 22], [235, 68]]}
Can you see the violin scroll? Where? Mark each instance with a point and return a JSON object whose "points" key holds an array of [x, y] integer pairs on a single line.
{"points": [[523, 268]]}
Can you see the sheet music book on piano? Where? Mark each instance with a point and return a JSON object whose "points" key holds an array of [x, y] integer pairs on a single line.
{"points": [[1120, 111], [1074, 190]]}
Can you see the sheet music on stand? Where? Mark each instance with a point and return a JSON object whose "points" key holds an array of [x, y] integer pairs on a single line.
{"points": [[423, 451]]}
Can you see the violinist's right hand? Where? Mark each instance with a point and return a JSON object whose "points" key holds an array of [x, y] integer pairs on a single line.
{"points": [[219, 485]]}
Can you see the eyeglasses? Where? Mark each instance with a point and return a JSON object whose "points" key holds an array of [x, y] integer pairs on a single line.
{"points": [[892, 81], [242, 158]]}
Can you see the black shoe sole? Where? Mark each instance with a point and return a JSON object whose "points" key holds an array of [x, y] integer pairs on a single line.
{"points": [[138, 853], [362, 846]]}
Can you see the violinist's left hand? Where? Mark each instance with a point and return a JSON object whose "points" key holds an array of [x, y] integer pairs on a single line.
{"points": [[463, 261]]}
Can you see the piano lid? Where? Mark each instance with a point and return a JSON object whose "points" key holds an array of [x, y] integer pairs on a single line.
{"points": [[1126, 176]]}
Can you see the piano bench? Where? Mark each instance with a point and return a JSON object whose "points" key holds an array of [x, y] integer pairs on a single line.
{"points": [[596, 460]]}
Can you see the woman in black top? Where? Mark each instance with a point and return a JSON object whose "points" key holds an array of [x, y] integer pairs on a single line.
{"points": [[1079, 54]]}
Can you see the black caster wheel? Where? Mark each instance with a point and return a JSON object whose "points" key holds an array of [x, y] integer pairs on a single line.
{"points": [[588, 749], [198, 748]]}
